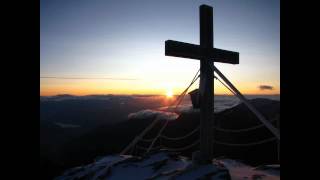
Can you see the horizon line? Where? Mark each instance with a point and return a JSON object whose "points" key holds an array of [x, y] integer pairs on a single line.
{"points": [[278, 94]]}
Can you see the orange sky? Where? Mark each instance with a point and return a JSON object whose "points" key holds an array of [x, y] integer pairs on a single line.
{"points": [[86, 87]]}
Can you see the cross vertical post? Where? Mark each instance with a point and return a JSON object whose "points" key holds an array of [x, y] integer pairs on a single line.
{"points": [[206, 87]]}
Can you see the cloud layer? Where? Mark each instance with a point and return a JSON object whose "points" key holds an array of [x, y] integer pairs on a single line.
{"points": [[148, 113], [265, 87]]}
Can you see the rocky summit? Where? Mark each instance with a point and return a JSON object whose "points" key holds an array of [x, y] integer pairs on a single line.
{"points": [[160, 165], [167, 165]]}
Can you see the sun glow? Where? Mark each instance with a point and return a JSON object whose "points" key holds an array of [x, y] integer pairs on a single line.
{"points": [[169, 93]]}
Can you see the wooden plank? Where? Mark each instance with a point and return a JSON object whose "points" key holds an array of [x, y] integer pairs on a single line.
{"points": [[224, 56], [206, 26], [182, 49], [193, 51], [206, 88]]}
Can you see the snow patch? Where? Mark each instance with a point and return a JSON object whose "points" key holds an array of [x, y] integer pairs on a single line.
{"points": [[240, 171]]}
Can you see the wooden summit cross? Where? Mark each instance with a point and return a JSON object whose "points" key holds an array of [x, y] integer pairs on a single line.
{"points": [[206, 54]]}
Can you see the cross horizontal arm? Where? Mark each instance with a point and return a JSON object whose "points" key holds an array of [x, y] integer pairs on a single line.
{"points": [[192, 51]]}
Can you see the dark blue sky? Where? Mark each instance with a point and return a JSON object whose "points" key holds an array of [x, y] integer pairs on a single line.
{"points": [[118, 38]]}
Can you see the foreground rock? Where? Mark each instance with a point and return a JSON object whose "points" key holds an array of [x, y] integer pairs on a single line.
{"points": [[164, 165], [160, 165], [240, 171]]}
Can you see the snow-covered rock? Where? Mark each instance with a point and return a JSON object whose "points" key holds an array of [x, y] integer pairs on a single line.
{"points": [[160, 165], [164, 165], [240, 171]]}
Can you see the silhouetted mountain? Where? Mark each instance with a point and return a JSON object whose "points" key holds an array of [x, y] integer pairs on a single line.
{"points": [[66, 117]]}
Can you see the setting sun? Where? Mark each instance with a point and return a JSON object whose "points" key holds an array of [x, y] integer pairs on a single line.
{"points": [[169, 93]]}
